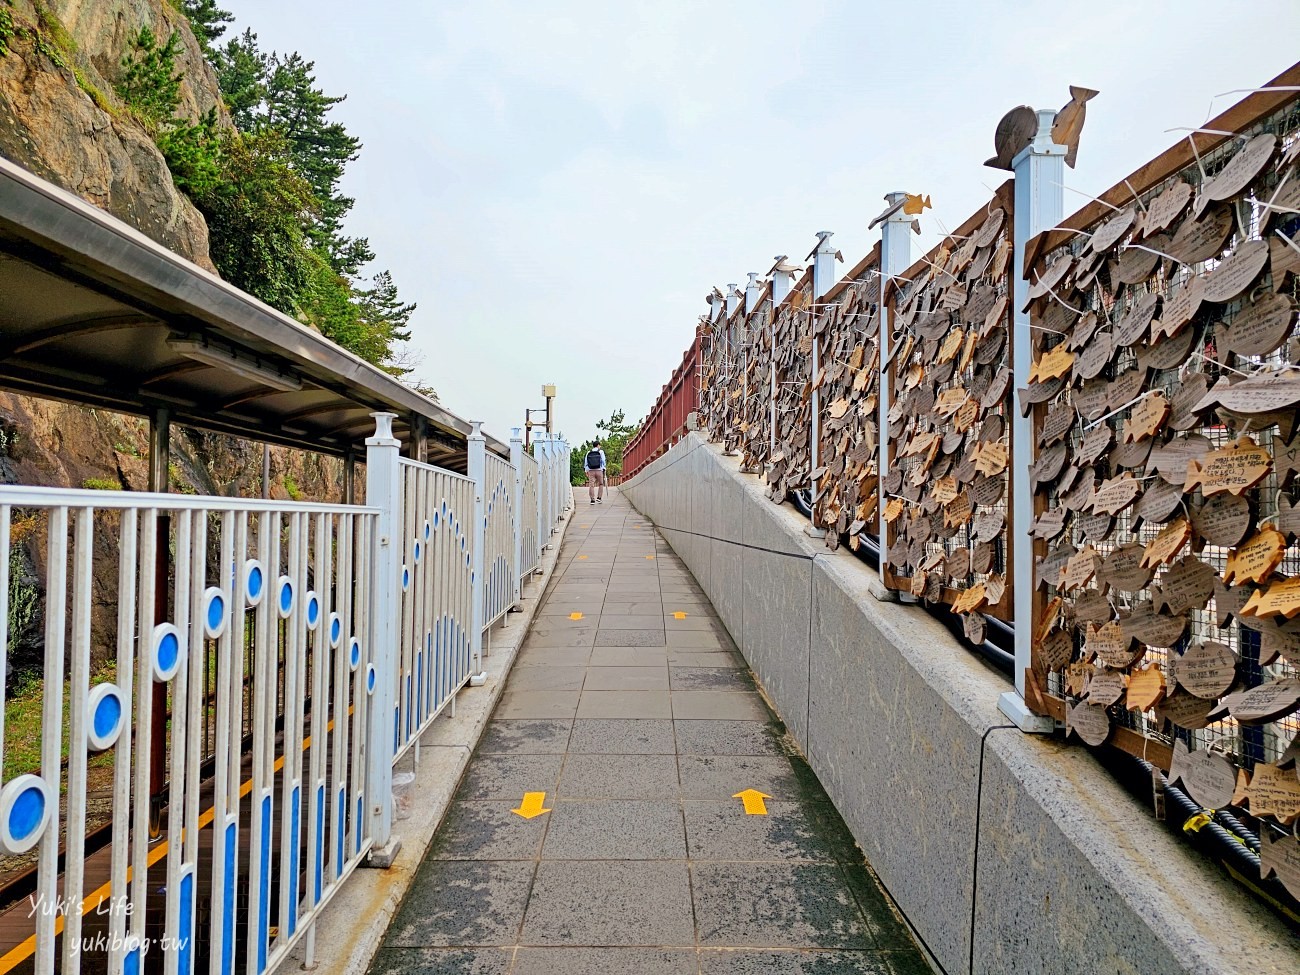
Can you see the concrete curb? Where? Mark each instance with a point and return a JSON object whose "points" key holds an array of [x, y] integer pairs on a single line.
{"points": [[352, 927]]}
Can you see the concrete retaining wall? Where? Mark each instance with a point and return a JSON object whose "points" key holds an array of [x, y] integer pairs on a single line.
{"points": [[1061, 869]]}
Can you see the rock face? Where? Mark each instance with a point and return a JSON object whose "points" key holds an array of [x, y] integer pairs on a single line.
{"points": [[51, 123], [60, 118]]}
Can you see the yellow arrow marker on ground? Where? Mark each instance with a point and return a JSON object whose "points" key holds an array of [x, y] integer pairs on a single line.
{"points": [[575, 616], [531, 806], [649, 556], [582, 556], [679, 615], [753, 800]]}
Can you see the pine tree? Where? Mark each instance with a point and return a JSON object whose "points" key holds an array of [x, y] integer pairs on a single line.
{"points": [[207, 20]]}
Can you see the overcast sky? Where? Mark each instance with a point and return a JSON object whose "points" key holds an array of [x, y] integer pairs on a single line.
{"points": [[559, 185]]}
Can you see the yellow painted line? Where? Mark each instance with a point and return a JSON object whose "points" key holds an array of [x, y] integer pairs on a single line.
{"points": [[575, 616], [753, 800], [531, 805], [679, 615], [24, 950]]}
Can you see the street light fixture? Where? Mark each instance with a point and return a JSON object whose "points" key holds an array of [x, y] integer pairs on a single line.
{"points": [[548, 391]]}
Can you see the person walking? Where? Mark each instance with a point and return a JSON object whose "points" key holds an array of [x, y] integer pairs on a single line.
{"points": [[595, 467]]}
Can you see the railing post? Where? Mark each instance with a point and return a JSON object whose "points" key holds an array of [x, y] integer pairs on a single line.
{"points": [[517, 506], [383, 491], [823, 278], [476, 445], [895, 258], [1039, 202]]}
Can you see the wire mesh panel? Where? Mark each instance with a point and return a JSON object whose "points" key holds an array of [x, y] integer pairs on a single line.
{"points": [[789, 468], [436, 599], [498, 540], [848, 328], [1165, 399], [949, 423], [530, 555], [204, 857]]}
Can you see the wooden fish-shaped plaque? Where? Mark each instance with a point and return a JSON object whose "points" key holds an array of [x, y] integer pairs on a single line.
{"points": [[1090, 722], [1275, 792], [1187, 584], [1185, 710], [1236, 468], [1146, 688], [1167, 544], [1223, 519], [1207, 776], [1280, 856], [1237, 272], [1255, 560], [1260, 327], [1265, 703], [1207, 669]]}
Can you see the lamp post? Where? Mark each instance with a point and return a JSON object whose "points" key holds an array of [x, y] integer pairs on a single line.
{"points": [[548, 391]]}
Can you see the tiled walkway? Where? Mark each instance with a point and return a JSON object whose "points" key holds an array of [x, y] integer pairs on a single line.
{"points": [[630, 710]]}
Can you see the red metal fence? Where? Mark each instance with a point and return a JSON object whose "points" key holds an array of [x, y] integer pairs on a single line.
{"points": [[667, 421]]}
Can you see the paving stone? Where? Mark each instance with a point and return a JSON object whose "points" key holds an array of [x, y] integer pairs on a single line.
{"points": [[792, 962], [886, 925], [545, 677], [454, 902], [595, 903], [626, 679], [630, 638], [629, 656], [619, 777], [694, 622], [487, 831], [625, 704], [710, 679], [615, 830], [723, 831], [553, 657], [699, 639], [705, 736], [617, 736], [694, 657], [777, 905], [620, 621], [605, 961], [572, 636], [722, 776], [510, 776], [561, 606], [526, 736], [442, 961], [537, 704], [618, 607], [718, 704]]}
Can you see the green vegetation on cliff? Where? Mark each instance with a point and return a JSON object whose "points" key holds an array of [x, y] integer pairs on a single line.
{"points": [[269, 188]]}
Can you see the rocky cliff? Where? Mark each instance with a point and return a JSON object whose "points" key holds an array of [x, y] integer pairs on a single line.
{"points": [[61, 119]]}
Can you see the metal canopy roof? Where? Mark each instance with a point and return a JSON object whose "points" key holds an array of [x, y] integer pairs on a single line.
{"points": [[94, 312]]}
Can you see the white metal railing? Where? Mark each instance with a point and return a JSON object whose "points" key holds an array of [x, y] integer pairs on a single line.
{"points": [[435, 595], [221, 605], [241, 681], [500, 551], [530, 513]]}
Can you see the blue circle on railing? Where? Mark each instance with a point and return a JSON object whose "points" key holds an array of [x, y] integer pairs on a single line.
{"points": [[406, 578], [428, 530], [444, 507], [419, 550], [25, 810], [370, 679], [354, 653], [106, 710], [284, 602], [313, 609], [336, 629], [166, 647], [214, 612], [254, 582]]}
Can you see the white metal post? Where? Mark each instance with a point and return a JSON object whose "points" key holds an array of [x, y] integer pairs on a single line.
{"points": [[895, 258], [823, 278], [383, 491], [517, 506], [782, 281], [477, 447], [1040, 174]]}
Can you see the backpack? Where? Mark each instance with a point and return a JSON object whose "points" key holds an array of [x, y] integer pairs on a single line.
{"points": [[593, 460]]}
